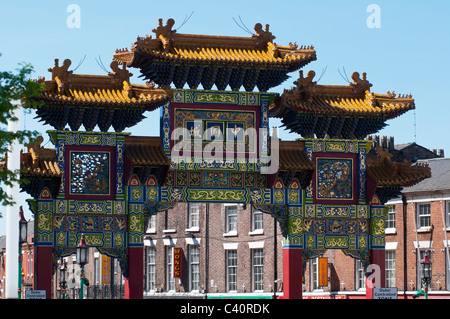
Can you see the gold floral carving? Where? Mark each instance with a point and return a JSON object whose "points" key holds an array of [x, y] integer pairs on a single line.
{"points": [[93, 239], [336, 242]]}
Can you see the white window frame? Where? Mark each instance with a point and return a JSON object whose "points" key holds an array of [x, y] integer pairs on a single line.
{"points": [[360, 276], [194, 268], [150, 268], [97, 269], [151, 227], [257, 222], [231, 270], [390, 272], [447, 264], [170, 280], [314, 267], [231, 220], [193, 216], [29, 264], [422, 215], [447, 214], [257, 255], [390, 220]]}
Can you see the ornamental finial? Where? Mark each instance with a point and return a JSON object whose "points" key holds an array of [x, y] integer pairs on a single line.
{"points": [[165, 33], [262, 37], [360, 85], [119, 75], [305, 81], [61, 74]]}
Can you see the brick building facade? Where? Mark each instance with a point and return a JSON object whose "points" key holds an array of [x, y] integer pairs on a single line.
{"points": [[240, 252], [425, 207], [27, 262]]}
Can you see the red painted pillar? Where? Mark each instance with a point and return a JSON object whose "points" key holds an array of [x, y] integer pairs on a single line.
{"points": [[134, 283], [377, 268], [43, 269], [292, 273]]}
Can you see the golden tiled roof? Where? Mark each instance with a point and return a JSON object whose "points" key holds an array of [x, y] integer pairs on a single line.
{"points": [[256, 50], [181, 59], [354, 99], [273, 55], [114, 89], [145, 151], [39, 161], [388, 173], [128, 95], [96, 100]]}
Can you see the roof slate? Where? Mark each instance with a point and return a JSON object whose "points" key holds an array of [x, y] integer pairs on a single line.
{"points": [[440, 177]]}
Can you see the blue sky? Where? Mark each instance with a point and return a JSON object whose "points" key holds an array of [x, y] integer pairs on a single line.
{"points": [[407, 54]]}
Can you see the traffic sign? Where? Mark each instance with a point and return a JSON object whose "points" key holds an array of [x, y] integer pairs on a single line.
{"points": [[35, 294], [384, 293]]}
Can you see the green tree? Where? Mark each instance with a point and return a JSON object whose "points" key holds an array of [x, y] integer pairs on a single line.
{"points": [[15, 86]]}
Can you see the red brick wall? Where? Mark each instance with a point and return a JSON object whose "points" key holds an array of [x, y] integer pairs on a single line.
{"points": [[178, 219], [435, 234]]}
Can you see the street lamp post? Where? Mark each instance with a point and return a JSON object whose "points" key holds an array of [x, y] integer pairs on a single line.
{"points": [[275, 283], [426, 273], [426, 277], [23, 233], [62, 278], [82, 259]]}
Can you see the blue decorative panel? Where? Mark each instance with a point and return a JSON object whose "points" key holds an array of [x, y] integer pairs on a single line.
{"points": [[89, 173], [334, 178]]}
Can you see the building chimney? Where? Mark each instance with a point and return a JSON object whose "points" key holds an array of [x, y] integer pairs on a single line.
{"points": [[441, 153], [371, 138], [390, 143], [384, 142], [377, 141]]}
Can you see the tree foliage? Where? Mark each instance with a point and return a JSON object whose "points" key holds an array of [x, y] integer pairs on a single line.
{"points": [[16, 90]]}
